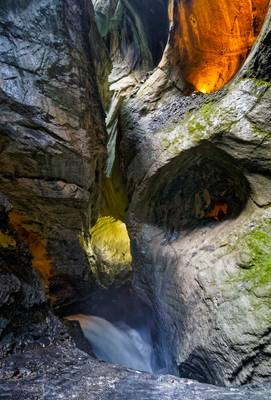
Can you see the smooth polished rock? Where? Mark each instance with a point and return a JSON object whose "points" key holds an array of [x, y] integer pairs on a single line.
{"points": [[64, 372]]}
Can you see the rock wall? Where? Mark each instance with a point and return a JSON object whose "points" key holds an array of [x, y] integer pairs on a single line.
{"points": [[52, 145], [214, 38], [198, 176], [135, 33]]}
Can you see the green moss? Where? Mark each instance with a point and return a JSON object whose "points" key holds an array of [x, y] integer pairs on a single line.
{"points": [[259, 82], [259, 243], [196, 130], [258, 272], [176, 142], [207, 109], [197, 123], [171, 140], [260, 132], [165, 143]]}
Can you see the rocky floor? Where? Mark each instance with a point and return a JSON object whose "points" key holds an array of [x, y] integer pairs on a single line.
{"points": [[64, 372]]}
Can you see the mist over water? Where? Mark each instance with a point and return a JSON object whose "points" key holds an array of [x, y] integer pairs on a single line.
{"points": [[120, 329], [119, 343]]}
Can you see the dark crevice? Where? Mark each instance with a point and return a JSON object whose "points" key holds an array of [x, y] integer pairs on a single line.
{"points": [[252, 361]]}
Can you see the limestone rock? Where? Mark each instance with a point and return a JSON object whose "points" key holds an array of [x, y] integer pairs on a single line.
{"points": [[66, 372], [198, 175], [136, 33], [52, 131]]}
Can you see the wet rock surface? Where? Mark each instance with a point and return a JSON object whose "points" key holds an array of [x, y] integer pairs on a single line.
{"points": [[194, 259], [63, 371], [25, 317]]}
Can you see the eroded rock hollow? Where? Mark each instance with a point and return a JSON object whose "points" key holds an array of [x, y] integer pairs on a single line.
{"points": [[214, 39]]}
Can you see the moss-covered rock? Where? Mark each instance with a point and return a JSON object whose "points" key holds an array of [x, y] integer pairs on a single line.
{"points": [[256, 268]]}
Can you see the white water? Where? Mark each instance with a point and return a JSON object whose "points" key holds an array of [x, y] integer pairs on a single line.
{"points": [[119, 343]]}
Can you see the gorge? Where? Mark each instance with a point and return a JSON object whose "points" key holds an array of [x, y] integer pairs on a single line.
{"points": [[135, 198]]}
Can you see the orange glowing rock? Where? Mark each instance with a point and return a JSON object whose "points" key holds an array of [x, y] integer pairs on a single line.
{"points": [[219, 211], [28, 232], [215, 37]]}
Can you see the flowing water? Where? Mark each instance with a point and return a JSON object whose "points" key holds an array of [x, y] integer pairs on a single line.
{"points": [[118, 343], [120, 329]]}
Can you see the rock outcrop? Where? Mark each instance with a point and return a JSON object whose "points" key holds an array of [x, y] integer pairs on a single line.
{"points": [[135, 33], [214, 38], [65, 372], [52, 150], [199, 218]]}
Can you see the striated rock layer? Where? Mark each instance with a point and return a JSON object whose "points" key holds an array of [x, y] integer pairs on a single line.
{"points": [[52, 147], [135, 33]]}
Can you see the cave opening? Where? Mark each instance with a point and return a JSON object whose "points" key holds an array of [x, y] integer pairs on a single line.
{"points": [[206, 187], [214, 39], [110, 242]]}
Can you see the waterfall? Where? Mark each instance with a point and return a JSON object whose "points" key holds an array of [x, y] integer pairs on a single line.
{"points": [[118, 343]]}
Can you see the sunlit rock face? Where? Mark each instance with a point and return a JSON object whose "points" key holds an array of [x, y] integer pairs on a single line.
{"points": [[109, 248], [214, 39]]}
